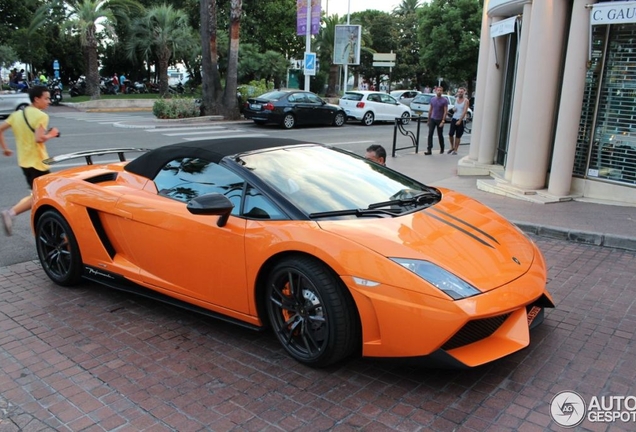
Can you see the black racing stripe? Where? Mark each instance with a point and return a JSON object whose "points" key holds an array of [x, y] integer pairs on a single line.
{"points": [[465, 223], [461, 229]]}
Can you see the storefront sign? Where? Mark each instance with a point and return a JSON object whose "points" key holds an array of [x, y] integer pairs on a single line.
{"points": [[613, 13], [503, 27]]}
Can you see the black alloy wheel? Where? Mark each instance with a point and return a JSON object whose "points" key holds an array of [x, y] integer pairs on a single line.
{"points": [[57, 249], [311, 313]]}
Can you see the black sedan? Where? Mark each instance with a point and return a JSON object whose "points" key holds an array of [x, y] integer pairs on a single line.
{"points": [[289, 108]]}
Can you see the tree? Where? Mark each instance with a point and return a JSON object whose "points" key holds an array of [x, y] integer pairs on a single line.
{"points": [[8, 56], [407, 66], [379, 35], [324, 43], [82, 17], [407, 7], [214, 101], [162, 31], [271, 26], [449, 38]]}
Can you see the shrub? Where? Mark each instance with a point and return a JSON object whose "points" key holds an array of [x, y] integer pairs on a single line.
{"points": [[253, 89], [176, 108]]}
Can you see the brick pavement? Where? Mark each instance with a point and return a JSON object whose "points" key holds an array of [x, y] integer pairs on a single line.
{"points": [[93, 359]]}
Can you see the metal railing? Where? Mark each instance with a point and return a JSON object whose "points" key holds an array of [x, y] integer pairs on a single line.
{"points": [[414, 137]]}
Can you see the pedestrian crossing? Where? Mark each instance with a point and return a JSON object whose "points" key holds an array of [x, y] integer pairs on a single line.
{"points": [[187, 133]]}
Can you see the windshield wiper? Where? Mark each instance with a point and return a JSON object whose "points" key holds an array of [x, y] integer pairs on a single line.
{"points": [[418, 199], [352, 212]]}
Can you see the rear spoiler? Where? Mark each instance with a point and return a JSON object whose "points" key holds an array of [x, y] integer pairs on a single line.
{"points": [[90, 153]]}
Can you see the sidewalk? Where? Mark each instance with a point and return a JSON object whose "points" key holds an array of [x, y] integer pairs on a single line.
{"points": [[601, 224]]}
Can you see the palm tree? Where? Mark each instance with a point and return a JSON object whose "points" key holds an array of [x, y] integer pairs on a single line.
{"points": [[407, 7], [161, 31], [231, 79], [83, 17], [324, 43]]}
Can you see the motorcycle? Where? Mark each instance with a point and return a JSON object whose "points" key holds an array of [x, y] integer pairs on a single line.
{"points": [[55, 89], [78, 88]]}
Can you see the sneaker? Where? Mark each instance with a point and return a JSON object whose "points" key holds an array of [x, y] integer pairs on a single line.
{"points": [[454, 152], [441, 151], [7, 222], [427, 153], [450, 151]]}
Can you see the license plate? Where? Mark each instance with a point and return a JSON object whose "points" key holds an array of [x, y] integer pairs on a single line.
{"points": [[418, 112], [256, 106]]}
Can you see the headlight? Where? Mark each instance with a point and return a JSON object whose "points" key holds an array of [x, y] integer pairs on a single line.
{"points": [[446, 282]]}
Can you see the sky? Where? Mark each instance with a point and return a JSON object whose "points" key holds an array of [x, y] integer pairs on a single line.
{"points": [[340, 6]]}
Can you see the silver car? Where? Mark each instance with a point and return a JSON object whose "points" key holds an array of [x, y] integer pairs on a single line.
{"points": [[10, 102], [405, 96], [421, 103]]}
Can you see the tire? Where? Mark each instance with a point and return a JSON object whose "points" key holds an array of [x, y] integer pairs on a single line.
{"points": [[340, 119], [289, 121], [406, 118], [368, 118], [21, 107], [311, 313], [57, 249]]}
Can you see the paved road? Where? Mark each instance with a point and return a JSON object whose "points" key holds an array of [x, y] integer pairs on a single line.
{"points": [[95, 359]]}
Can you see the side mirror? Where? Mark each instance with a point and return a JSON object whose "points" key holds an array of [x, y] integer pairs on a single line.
{"points": [[212, 204]]}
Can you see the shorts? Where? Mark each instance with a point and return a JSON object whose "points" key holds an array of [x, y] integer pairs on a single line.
{"points": [[32, 173], [456, 130]]}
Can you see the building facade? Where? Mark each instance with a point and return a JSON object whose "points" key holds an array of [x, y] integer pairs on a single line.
{"points": [[555, 102]]}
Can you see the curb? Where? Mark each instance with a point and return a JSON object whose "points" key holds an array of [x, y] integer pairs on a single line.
{"points": [[583, 237]]}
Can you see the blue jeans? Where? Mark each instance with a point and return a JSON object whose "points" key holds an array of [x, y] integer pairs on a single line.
{"points": [[432, 125]]}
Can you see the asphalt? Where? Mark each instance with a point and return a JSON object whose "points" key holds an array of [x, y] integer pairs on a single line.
{"points": [[582, 221]]}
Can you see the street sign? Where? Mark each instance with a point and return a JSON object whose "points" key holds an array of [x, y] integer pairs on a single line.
{"points": [[384, 60], [310, 63]]}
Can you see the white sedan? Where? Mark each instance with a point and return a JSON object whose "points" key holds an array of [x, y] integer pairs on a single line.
{"points": [[11, 101], [371, 106]]}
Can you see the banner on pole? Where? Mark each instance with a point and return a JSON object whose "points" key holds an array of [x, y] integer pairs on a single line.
{"points": [[301, 17]]}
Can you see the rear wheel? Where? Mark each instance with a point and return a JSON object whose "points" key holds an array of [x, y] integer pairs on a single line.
{"points": [[57, 249], [368, 118], [406, 118], [311, 313], [289, 121], [339, 119]]}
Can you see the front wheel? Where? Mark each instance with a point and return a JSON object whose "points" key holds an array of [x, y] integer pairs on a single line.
{"points": [[368, 118], [57, 249], [311, 313], [289, 121], [339, 119], [406, 118]]}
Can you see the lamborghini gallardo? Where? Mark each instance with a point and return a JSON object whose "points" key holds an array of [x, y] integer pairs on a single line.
{"points": [[337, 255]]}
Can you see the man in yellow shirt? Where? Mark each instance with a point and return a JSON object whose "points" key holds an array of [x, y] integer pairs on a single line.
{"points": [[30, 130]]}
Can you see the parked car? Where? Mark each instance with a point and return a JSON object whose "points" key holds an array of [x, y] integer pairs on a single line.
{"points": [[10, 101], [405, 96], [372, 106], [293, 107], [339, 255], [421, 103]]}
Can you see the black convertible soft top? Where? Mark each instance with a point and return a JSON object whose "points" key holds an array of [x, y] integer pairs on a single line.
{"points": [[149, 164]]}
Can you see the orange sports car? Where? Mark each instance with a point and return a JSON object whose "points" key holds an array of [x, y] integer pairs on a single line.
{"points": [[338, 255]]}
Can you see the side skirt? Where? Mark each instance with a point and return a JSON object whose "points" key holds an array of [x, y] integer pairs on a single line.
{"points": [[120, 283]]}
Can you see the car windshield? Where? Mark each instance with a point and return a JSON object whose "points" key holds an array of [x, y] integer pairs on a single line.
{"points": [[423, 99], [317, 179], [275, 95], [353, 96]]}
